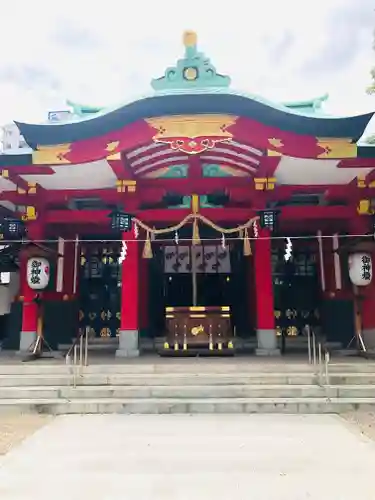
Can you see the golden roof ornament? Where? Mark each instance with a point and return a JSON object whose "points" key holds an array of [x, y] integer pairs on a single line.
{"points": [[189, 39], [193, 71]]}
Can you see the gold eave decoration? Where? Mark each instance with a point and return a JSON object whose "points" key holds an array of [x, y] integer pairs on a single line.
{"points": [[337, 148], [264, 184], [114, 156], [112, 146], [276, 143], [51, 155], [361, 182], [30, 214], [192, 126], [364, 207], [271, 152]]}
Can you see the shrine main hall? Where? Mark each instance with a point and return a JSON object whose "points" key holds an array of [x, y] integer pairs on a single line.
{"points": [[195, 219]]}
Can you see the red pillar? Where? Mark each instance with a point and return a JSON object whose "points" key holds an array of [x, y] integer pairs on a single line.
{"points": [[30, 308], [265, 319], [129, 325], [251, 294], [71, 261]]}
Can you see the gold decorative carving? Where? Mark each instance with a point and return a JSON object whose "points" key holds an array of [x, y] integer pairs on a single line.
{"points": [[361, 182], [112, 146], [364, 207], [271, 152], [32, 187], [115, 156], [105, 332], [276, 143], [197, 330], [30, 214], [191, 73], [265, 183], [195, 203], [123, 186], [51, 155], [336, 148], [192, 134], [190, 38]]}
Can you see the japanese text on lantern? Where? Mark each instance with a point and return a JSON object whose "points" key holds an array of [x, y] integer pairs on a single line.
{"points": [[35, 272], [366, 268]]}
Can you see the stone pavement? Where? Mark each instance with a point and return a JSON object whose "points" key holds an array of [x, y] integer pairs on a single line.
{"points": [[200, 457]]}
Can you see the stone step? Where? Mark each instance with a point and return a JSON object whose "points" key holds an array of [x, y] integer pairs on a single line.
{"points": [[184, 379], [106, 344], [197, 366], [186, 406], [186, 392]]}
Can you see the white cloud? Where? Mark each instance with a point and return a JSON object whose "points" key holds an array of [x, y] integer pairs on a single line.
{"points": [[108, 52]]}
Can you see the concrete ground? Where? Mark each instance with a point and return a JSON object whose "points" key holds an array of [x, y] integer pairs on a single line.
{"points": [[182, 457]]}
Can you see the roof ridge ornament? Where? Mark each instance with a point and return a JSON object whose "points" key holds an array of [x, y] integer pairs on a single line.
{"points": [[192, 72]]}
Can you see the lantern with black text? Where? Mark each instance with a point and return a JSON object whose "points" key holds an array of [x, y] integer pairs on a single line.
{"points": [[360, 269], [268, 219], [12, 229], [38, 273], [120, 221]]}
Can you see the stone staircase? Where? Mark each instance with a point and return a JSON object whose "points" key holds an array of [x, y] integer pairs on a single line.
{"points": [[240, 385], [109, 345]]}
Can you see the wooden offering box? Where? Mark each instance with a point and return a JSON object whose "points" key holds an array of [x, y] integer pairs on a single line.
{"points": [[195, 329]]}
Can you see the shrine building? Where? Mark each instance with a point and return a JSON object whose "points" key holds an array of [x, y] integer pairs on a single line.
{"points": [[195, 218]]}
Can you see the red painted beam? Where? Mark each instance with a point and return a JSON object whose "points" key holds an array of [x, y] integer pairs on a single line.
{"points": [[129, 172], [33, 169], [202, 185], [238, 215], [284, 192], [195, 168], [357, 163], [117, 168], [151, 189], [121, 168], [98, 217], [21, 185], [308, 213], [268, 166]]}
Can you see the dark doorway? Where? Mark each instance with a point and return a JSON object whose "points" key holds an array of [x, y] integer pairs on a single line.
{"points": [[297, 292], [172, 284], [99, 289]]}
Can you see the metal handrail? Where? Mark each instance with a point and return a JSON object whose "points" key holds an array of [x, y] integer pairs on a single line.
{"points": [[315, 354], [79, 348]]}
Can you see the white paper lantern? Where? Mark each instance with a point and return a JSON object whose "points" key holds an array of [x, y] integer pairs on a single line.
{"points": [[38, 273], [360, 269]]}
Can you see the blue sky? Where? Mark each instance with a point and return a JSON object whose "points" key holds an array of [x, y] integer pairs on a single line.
{"points": [[107, 52]]}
